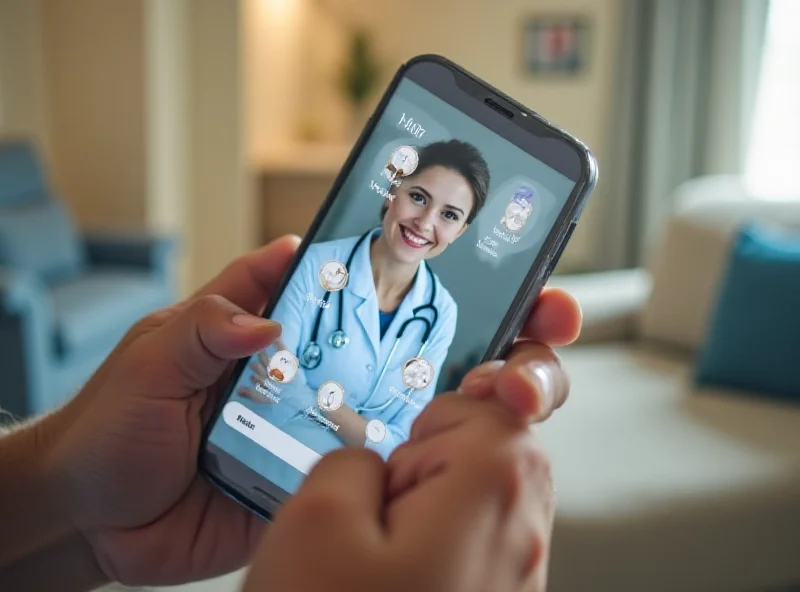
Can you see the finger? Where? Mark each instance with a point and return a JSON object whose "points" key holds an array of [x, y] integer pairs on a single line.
{"points": [[414, 461], [462, 512], [216, 392], [532, 383], [248, 393], [502, 485], [478, 383], [193, 349], [432, 438], [259, 373], [555, 319], [450, 410], [347, 490], [249, 281]]}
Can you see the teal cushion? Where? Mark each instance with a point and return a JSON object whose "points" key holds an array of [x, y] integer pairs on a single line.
{"points": [[753, 342], [40, 238]]}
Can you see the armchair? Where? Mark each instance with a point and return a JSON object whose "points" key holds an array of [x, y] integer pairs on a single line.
{"points": [[65, 299]]}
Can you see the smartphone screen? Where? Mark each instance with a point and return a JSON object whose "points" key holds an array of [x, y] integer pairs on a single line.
{"points": [[401, 290]]}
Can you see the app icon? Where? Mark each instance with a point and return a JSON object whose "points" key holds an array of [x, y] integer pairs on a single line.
{"points": [[376, 431], [330, 395], [518, 211], [402, 163], [282, 366], [333, 276], [417, 373]]}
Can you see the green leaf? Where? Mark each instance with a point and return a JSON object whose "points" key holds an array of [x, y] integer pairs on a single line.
{"points": [[361, 71]]}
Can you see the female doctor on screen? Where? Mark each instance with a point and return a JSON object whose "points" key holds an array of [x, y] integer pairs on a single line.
{"points": [[353, 360]]}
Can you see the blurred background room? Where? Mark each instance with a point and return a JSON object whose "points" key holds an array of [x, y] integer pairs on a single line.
{"points": [[144, 144]]}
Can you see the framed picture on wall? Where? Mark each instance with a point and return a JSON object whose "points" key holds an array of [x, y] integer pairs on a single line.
{"points": [[556, 45]]}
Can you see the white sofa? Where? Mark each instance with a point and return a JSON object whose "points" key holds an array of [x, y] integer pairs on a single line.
{"points": [[661, 486]]}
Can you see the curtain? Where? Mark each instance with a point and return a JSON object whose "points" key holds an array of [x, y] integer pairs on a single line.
{"points": [[688, 72]]}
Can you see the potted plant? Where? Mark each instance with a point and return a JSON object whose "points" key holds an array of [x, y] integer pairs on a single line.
{"points": [[359, 77]]}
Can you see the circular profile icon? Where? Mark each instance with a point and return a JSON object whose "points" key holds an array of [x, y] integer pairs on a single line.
{"points": [[376, 431], [402, 163], [518, 210], [333, 276], [330, 395], [282, 366], [417, 373]]}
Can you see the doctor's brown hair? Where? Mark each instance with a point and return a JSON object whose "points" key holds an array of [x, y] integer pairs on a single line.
{"points": [[462, 158]]}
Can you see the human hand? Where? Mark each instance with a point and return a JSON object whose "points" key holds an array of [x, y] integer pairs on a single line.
{"points": [[358, 518], [529, 385], [126, 447], [480, 521], [531, 381]]}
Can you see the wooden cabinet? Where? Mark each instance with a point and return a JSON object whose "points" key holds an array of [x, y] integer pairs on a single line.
{"points": [[292, 184]]}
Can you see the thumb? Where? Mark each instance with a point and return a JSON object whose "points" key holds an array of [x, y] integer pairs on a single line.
{"points": [[532, 383], [193, 348]]}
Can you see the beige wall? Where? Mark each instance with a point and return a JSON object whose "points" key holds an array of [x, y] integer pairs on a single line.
{"points": [[167, 152], [482, 35], [222, 218], [141, 104], [166, 94], [275, 37], [95, 73], [490, 45], [22, 93], [71, 78]]}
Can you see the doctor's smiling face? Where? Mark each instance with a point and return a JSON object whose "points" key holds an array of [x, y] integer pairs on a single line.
{"points": [[435, 205]]}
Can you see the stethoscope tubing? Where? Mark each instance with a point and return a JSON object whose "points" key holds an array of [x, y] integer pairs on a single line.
{"points": [[314, 345], [365, 408], [326, 298]]}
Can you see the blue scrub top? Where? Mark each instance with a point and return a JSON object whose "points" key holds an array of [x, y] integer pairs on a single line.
{"points": [[386, 320]]}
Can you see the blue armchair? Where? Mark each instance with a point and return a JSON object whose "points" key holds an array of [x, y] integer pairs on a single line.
{"points": [[65, 300]]}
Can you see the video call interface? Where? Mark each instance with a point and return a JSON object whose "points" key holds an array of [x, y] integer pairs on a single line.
{"points": [[400, 293]]}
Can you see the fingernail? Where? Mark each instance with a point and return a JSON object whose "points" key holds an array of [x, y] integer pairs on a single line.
{"points": [[479, 379], [540, 375], [252, 322], [475, 385]]}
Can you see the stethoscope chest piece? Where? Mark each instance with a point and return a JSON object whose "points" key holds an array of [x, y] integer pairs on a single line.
{"points": [[312, 355], [338, 339]]}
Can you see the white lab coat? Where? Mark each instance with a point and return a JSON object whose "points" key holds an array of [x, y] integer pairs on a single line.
{"points": [[357, 366]]}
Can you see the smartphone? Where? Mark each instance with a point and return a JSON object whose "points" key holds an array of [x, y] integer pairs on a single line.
{"points": [[425, 259]]}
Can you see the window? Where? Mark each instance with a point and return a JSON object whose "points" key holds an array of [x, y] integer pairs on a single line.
{"points": [[773, 159]]}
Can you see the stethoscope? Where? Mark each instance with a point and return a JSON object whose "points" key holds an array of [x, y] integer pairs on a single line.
{"points": [[311, 356]]}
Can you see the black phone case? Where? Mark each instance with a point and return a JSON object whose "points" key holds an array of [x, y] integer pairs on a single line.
{"points": [[512, 323]]}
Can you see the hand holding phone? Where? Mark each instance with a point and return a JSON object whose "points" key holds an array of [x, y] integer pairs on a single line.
{"points": [[425, 260], [477, 514], [123, 452]]}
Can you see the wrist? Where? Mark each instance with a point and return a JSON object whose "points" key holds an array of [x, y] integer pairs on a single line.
{"points": [[47, 545], [50, 432]]}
